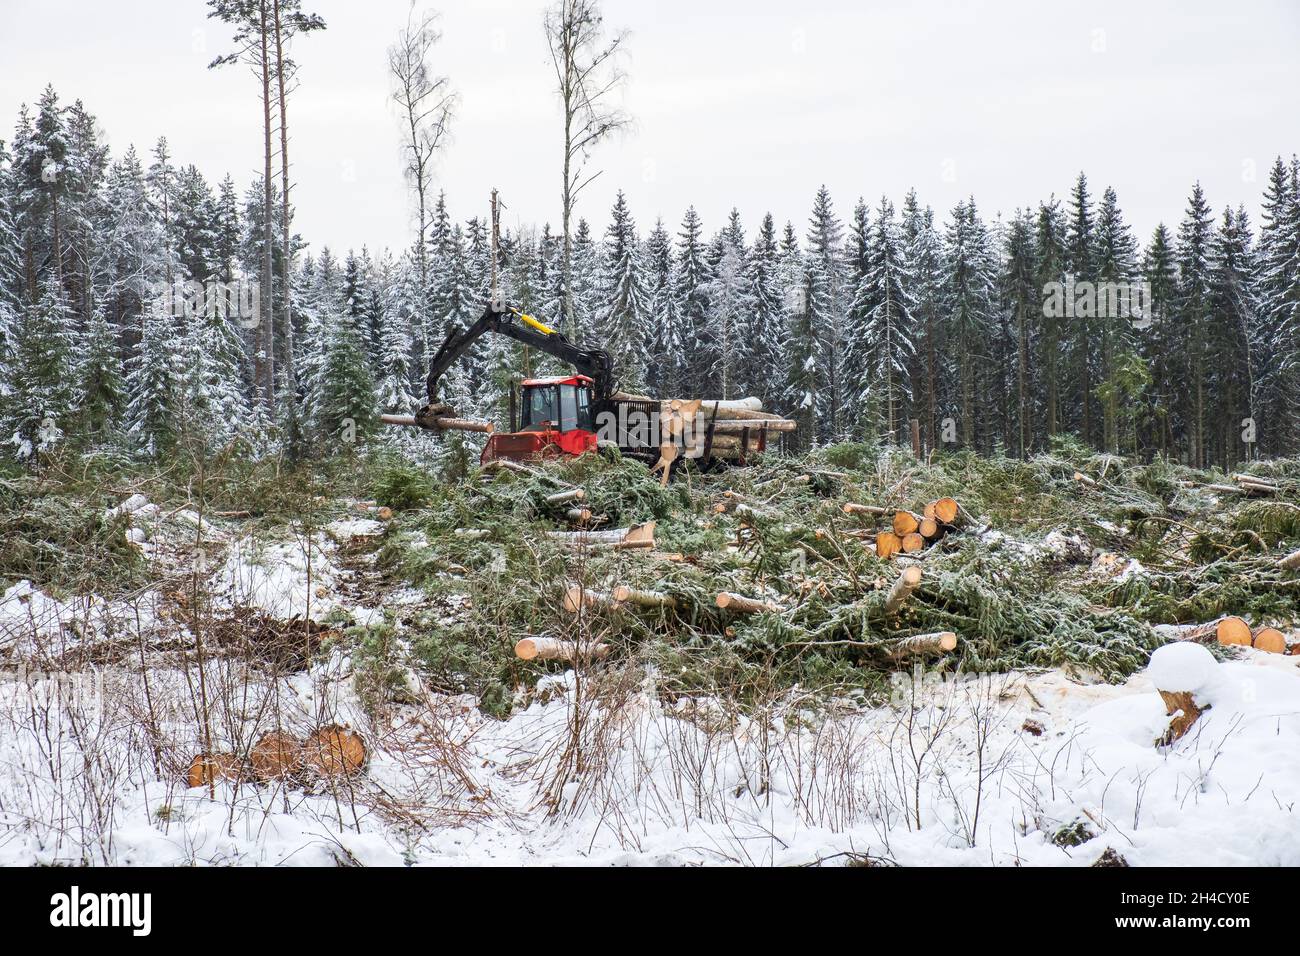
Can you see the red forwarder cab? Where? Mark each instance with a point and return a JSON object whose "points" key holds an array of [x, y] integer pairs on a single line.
{"points": [[556, 420]]}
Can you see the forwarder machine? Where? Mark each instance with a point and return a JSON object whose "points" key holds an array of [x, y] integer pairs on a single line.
{"points": [[575, 414]]}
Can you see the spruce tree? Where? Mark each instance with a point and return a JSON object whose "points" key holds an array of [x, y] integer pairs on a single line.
{"points": [[1234, 310], [691, 292], [1276, 340], [1160, 342], [154, 382], [37, 388], [1023, 301], [827, 309], [665, 351], [885, 301], [345, 405], [621, 308], [1081, 333], [1049, 241], [99, 381], [1114, 257], [1195, 238], [763, 342], [969, 302], [925, 257]]}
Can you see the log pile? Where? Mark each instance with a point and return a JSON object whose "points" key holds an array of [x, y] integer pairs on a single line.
{"points": [[731, 430], [328, 752], [1231, 631], [911, 533]]}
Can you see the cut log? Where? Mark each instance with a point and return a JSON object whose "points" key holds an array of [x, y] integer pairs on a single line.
{"points": [[769, 424], [729, 601], [642, 598], [578, 515], [206, 769], [902, 589], [555, 649], [632, 546], [940, 642], [1084, 480], [576, 597], [1253, 489], [1181, 705], [913, 543], [334, 751], [637, 536], [849, 508], [1223, 489], [905, 522], [505, 464], [274, 755], [1233, 630], [949, 512], [565, 497], [888, 544], [723, 405], [928, 511], [1291, 562], [1255, 480], [1269, 639], [438, 424], [1197, 633], [929, 528]]}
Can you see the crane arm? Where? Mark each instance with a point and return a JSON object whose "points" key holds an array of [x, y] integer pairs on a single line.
{"points": [[595, 363]]}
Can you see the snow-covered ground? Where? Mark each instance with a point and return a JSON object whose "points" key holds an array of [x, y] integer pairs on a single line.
{"points": [[982, 772], [1013, 769]]}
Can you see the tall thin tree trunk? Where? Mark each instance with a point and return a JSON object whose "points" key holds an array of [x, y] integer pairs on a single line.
{"points": [[286, 239], [268, 294], [1022, 375]]}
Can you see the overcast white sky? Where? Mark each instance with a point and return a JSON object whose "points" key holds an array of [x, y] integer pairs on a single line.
{"points": [[752, 103]]}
